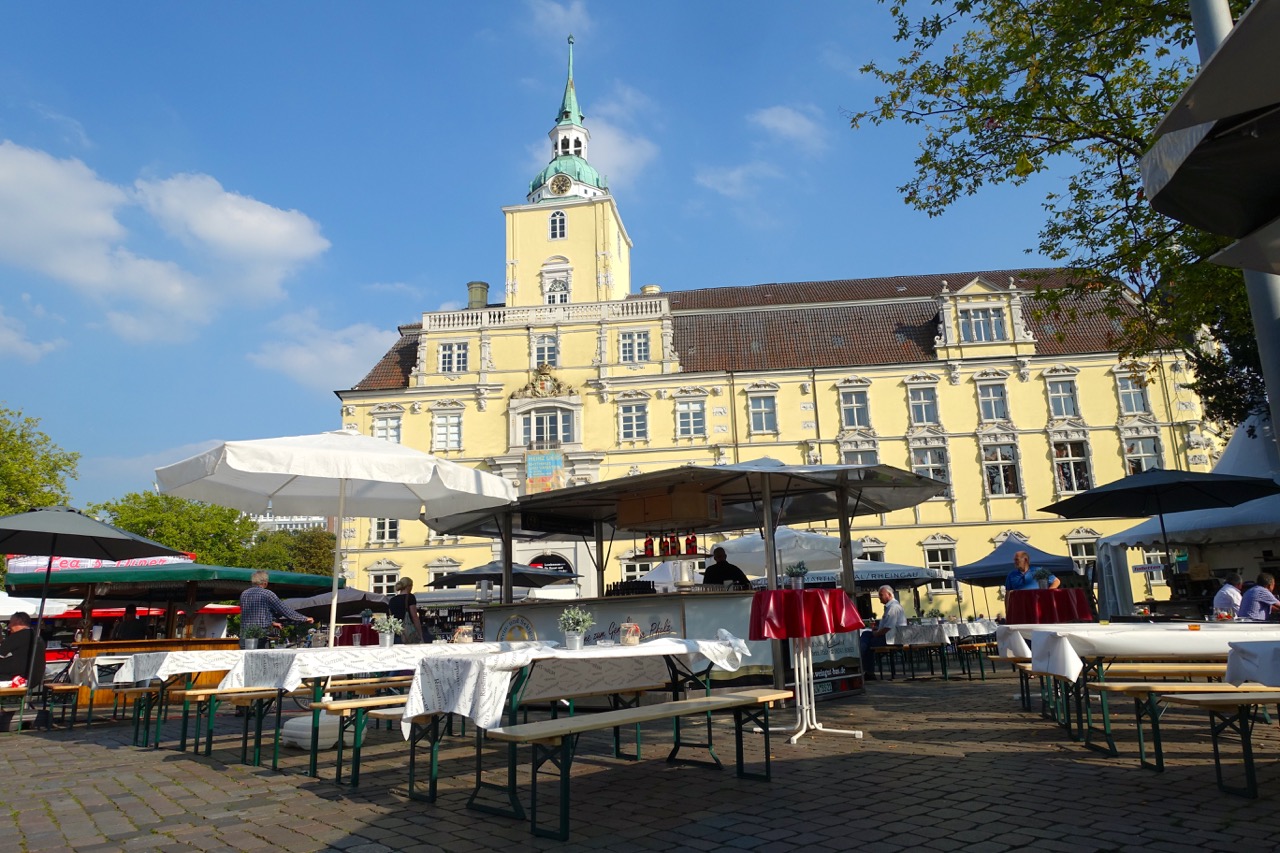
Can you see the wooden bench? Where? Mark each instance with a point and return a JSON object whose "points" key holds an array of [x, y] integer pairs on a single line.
{"points": [[555, 740], [1230, 711], [256, 701], [618, 699], [422, 727], [352, 716], [978, 652]]}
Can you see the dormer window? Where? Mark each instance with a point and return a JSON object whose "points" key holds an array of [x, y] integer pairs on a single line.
{"points": [[980, 325], [559, 227]]}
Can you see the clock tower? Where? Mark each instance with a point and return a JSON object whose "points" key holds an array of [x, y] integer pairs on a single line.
{"points": [[567, 242]]}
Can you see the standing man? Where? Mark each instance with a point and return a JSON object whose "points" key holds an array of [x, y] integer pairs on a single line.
{"points": [[262, 608], [1021, 576], [1259, 602], [894, 617], [1227, 599], [722, 570]]}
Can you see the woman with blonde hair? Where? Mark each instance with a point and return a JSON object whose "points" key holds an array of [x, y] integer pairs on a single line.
{"points": [[404, 606]]}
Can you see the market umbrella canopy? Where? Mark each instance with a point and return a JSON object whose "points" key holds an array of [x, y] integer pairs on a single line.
{"points": [[992, 569], [301, 475], [337, 473], [817, 551], [68, 532], [351, 601], [869, 574], [140, 584], [521, 575], [10, 604]]}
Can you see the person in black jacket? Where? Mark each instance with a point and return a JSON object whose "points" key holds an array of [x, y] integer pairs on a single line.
{"points": [[16, 648]]}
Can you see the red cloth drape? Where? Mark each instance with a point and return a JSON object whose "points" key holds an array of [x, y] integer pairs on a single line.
{"points": [[781, 614], [1041, 606], [346, 634]]}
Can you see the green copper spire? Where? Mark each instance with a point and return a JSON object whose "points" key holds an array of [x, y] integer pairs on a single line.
{"points": [[569, 112]]}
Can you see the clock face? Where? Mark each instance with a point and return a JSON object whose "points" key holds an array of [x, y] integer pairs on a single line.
{"points": [[560, 184]]}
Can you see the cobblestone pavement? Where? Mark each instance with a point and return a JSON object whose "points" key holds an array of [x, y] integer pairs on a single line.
{"points": [[943, 766]]}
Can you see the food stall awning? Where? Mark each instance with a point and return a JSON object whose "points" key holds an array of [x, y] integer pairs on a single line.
{"points": [[162, 583]]}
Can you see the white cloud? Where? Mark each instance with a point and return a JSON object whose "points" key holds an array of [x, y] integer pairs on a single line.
{"points": [[452, 305], [559, 20], [737, 182], [800, 128], [108, 478], [394, 288], [325, 359], [14, 342], [267, 242], [72, 130], [618, 155]]}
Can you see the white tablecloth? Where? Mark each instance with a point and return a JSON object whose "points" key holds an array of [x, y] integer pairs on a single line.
{"points": [[941, 633], [1062, 652], [476, 684], [1014, 640], [145, 666], [89, 672], [1254, 660]]}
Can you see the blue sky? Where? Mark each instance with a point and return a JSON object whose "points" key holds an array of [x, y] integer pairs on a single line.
{"points": [[213, 215]]}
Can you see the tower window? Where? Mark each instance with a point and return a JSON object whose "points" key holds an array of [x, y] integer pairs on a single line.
{"points": [[558, 225], [577, 147]]}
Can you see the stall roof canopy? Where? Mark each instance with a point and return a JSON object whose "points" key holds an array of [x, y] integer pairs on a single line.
{"points": [[800, 493], [1252, 453], [162, 583], [992, 569]]}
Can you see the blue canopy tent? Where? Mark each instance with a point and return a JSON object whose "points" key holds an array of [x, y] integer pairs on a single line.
{"points": [[992, 569]]}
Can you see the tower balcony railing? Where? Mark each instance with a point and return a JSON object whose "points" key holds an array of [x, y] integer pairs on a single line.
{"points": [[540, 315]]}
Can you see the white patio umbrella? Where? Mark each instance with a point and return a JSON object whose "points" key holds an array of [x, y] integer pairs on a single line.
{"points": [[818, 551], [340, 471]]}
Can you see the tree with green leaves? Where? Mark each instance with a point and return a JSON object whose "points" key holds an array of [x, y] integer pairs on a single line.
{"points": [[217, 535], [309, 551], [1005, 90], [33, 470]]}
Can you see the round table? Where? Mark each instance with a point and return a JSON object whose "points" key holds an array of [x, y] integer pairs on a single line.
{"points": [[796, 615]]}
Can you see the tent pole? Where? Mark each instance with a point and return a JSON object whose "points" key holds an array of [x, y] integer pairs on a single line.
{"points": [[337, 560], [846, 547], [599, 558], [504, 526], [35, 638]]}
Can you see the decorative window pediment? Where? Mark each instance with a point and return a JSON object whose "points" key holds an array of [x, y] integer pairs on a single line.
{"points": [[447, 405], [1068, 429], [387, 409], [1001, 538], [921, 379], [853, 382], [990, 374], [977, 286], [858, 439], [1132, 368], [383, 565], [1061, 370], [926, 436], [1083, 534], [997, 433], [1138, 425], [762, 388], [690, 391], [871, 543], [633, 395], [938, 540]]}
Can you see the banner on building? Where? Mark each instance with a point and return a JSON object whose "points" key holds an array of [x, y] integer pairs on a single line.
{"points": [[544, 471]]}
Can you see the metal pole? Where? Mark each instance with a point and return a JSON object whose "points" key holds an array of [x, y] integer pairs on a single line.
{"points": [[599, 558], [846, 547], [337, 561], [504, 527]]}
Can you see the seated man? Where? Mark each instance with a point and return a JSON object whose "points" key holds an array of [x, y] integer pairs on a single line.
{"points": [[17, 647], [722, 570], [1022, 578], [1227, 599], [894, 617], [1259, 601]]}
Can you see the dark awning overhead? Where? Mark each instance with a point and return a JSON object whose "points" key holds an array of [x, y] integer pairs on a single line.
{"points": [[168, 582]]}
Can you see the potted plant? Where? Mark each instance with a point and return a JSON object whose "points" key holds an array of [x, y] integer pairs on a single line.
{"points": [[1042, 578], [935, 614], [252, 637], [574, 621], [796, 572], [387, 627]]}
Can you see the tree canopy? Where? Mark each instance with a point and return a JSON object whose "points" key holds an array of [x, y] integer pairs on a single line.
{"points": [[217, 535], [309, 551], [1005, 90], [33, 470]]}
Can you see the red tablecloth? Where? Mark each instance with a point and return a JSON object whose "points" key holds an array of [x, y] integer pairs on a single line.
{"points": [[782, 614], [1039, 606], [348, 633]]}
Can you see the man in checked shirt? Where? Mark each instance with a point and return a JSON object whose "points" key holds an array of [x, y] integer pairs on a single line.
{"points": [[262, 608]]}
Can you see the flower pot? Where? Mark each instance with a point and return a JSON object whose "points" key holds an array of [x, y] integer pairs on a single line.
{"points": [[573, 639], [1044, 584], [797, 581], [249, 642], [386, 641]]}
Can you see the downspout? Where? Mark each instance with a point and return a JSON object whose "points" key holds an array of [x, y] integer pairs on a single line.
{"points": [[817, 418], [733, 417]]}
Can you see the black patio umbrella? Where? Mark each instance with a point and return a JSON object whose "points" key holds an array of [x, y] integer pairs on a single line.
{"points": [[521, 575], [63, 531], [1157, 491], [351, 601]]}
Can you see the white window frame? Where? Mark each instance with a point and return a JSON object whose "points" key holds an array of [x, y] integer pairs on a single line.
{"points": [[920, 409], [938, 468], [557, 226], [383, 580], [546, 350], [691, 418], [943, 558], [453, 356], [1084, 553], [1064, 399], [1132, 455], [993, 402], [1131, 392], [861, 456], [762, 414], [855, 409], [565, 426], [386, 428], [446, 429], [384, 530], [1002, 464], [633, 420], [633, 347], [980, 325], [1072, 470]]}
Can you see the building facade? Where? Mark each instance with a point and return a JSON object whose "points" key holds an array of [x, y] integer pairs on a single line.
{"points": [[569, 376]]}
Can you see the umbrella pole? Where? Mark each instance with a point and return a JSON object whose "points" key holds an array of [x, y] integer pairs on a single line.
{"points": [[846, 547], [504, 528], [1164, 536], [35, 639], [337, 560]]}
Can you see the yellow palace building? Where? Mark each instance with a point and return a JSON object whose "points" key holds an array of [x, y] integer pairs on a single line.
{"points": [[568, 375]]}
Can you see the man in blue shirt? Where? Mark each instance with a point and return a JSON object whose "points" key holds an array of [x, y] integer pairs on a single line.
{"points": [[1259, 601], [262, 608], [1022, 578]]}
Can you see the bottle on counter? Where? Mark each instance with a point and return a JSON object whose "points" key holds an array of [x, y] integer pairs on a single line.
{"points": [[691, 543], [648, 546]]}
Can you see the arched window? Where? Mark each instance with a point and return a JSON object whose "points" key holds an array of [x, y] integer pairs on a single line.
{"points": [[558, 227]]}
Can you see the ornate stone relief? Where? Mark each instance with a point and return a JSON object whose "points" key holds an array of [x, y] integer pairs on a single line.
{"points": [[543, 384]]}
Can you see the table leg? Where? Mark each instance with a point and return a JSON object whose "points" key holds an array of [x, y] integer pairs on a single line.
{"points": [[810, 710]]}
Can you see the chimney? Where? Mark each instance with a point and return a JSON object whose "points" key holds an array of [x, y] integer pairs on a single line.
{"points": [[477, 294], [650, 290]]}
